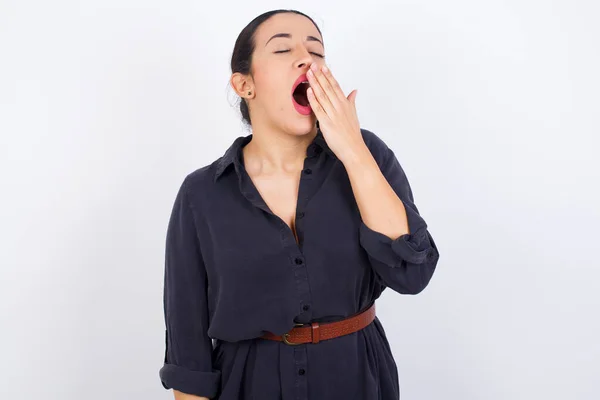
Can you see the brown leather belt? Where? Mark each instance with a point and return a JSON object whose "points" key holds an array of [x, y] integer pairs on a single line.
{"points": [[316, 332]]}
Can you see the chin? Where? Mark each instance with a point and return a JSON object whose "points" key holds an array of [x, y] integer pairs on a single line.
{"points": [[301, 125], [304, 127]]}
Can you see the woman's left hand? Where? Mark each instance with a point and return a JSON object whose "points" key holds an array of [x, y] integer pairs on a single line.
{"points": [[335, 112]]}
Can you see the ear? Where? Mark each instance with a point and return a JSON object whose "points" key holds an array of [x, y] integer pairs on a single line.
{"points": [[242, 84]]}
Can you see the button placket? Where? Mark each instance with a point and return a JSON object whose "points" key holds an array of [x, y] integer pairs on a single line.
{"points": [[298, 259], [305, 191], [301, 384], [299, 266]]}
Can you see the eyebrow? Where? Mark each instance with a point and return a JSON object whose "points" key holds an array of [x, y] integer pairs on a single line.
{"points": [[289, 36]]}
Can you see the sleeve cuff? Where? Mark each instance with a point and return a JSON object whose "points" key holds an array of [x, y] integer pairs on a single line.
{"points": [[413, 247], [198, 383]]}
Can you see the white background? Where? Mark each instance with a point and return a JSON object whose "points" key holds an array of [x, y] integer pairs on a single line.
{"points": [[492, 107]]}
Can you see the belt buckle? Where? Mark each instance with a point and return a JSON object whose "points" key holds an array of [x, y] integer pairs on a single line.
{"points": [[287, 335]]}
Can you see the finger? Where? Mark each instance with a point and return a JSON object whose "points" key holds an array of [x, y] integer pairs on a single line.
{"points": [[352, 97], [315, 105], [333, 83], [327, 88], [319, 92]]}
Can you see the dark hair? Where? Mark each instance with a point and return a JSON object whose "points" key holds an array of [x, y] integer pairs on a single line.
{"points": [[241, 59]]}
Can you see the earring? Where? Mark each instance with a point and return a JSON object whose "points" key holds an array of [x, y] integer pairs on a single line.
{"points": [[249, 93]]}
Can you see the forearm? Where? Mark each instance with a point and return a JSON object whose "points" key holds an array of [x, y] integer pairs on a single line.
{"points": [[184, 396], [380, 208]]}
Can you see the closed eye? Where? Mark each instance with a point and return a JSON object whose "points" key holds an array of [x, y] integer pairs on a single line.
{"points": [[316, 54]]}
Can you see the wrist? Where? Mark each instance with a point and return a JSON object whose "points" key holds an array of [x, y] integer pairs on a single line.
{"points": [[357, 156]]}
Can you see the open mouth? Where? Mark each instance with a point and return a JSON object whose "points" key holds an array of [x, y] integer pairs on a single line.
{"points": [[299, 94], [299, 97]]}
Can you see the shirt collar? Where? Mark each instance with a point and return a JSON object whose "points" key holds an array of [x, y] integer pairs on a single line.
{"points": [[233, 153]]}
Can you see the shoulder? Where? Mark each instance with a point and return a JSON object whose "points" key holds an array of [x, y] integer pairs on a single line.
{"points": [[197, 183], [378, 147], [201, 176]]}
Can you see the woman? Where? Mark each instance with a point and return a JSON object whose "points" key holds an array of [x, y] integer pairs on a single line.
{"points": [[279, 249]]}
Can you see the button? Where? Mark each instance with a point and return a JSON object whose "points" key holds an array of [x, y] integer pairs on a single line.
{"points": [[306, 307], [308, 171], [301, 371], [298, 261], [300, 215]]}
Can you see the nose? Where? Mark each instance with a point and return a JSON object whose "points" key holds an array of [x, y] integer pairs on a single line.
{"points": [[305, 60]]}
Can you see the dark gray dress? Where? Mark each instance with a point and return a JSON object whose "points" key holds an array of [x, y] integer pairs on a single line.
{"points": [[234, 270]]}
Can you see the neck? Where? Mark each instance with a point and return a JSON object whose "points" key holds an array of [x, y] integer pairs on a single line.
{"points": [[272, 151]]}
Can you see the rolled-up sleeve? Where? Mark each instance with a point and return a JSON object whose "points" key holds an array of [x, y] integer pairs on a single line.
{"points": [[407, 263], [188, 365]]}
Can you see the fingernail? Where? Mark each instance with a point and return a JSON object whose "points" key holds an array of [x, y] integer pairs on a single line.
{"points": [[325, 69], [314, 66]]}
